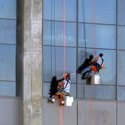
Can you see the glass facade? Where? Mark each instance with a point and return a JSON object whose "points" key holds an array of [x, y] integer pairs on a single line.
{"points": [[81, 28], [7, 47]]}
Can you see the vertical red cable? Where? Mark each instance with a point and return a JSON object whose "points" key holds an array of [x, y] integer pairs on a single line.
{"points": [[64, 42], [94, 52], [91, 102], [64, 34]]}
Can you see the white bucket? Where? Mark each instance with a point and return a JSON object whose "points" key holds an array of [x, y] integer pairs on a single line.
{"points": [[96, 79], [69, 100]]}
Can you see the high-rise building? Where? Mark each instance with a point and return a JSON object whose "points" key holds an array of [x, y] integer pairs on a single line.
{"points": [[43, 38]]}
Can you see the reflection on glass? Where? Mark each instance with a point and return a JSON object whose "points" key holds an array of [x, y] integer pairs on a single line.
{"points": [[54, 33], [55, 62], [47, 9], [98, 11], [8, 9], [100, 36], [121, 10], [121, 68], [81, 38], [100, 92], [47, 63], [121, 37], [81, 10], [7, 62], [7, 31], [60, 10], [65, 62], [7, 89]]}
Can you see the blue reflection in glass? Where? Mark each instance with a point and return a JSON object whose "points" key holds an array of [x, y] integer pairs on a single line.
{"points": [[67, 61], [7, 62], [47, 63], [54, 33], [81, 10], [100, 36], [8, 9], [7, 88], [100, 92], [121, 12], [98, 11], [55, 10], [54, 62], [7, 31], [47, 7], [121, 37], [121, 68], [81, 38]]}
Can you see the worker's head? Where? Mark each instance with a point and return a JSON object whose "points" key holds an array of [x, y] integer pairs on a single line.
{"points": [[54, 78], [91, 57], [101, 55], [68, 77]]}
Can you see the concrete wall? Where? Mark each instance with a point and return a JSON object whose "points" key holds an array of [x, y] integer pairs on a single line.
{"points": [[103, 113], [10, 111]]}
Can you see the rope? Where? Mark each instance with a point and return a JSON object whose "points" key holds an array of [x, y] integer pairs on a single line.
{"points": [[94, 38], [91, 88], [64, 47]]}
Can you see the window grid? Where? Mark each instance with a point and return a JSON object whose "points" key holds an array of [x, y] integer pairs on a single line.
{"points": [[77, 47], [8, 48]]}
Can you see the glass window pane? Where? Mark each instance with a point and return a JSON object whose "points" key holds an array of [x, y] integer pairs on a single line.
{"points": [[47, 9], [81, 10], [81, 38], [121, 93], [7, 62], [121, 37], [54, 33], [47, 33], [100, 36], [7, 89], [47, 63], [7, 31], [54, 62], [121, 68], [121, 12], [46, 87], [100, 92], [108, 74], [100, 11], [65, 61], [57, 10], [8, 9]]}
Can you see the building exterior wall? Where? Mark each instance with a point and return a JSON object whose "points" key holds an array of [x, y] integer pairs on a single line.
{"points": [[81, 28], [11, 111], [89, 27], [103, 113]]}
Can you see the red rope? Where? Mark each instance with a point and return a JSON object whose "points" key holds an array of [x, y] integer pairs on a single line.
{"points": [[64, 47], [91, 102], [94, 38], [64, 34]]}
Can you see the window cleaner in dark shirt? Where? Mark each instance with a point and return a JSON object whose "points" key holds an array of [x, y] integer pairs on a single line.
{"points": [[86, 63]]}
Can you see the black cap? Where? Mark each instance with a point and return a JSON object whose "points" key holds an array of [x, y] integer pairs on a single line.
{"points": [[91, 57], [101, 55]]}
